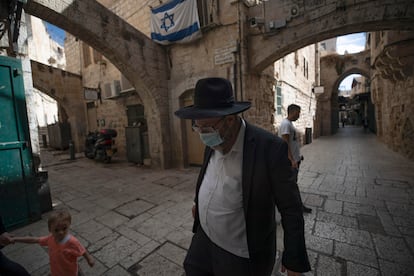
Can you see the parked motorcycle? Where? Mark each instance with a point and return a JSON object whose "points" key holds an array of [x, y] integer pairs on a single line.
{"points": [[100, 145]]}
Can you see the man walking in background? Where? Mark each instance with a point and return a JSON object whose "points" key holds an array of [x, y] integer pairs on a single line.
{"points": [[288, 133]]}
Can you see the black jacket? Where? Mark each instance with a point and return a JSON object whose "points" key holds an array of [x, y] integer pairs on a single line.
{"points": [[2, 228], [267, 181]]}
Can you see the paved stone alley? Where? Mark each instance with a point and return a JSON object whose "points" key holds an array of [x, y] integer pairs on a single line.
{"points": [[137, 221]]}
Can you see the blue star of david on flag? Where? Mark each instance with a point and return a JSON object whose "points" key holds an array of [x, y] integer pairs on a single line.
{"points": [[175, 21], [166, 18]]}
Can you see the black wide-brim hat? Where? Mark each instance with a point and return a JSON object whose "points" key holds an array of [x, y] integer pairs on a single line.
{"points": [[213, 97]]}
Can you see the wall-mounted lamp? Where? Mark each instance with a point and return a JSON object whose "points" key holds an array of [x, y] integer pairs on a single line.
{"points": [[256, 22]]}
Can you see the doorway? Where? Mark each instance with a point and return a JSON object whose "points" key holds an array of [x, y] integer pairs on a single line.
{"points": [[194, 146]]}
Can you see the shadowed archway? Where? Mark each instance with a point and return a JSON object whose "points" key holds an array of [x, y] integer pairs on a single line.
{"points": [[137, 57]]}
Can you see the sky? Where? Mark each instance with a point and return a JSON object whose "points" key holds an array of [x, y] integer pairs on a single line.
{"points": [[56, 33], [353, 43]]}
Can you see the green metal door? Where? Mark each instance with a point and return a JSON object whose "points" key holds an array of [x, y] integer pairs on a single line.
{"points": [[19, 201]]}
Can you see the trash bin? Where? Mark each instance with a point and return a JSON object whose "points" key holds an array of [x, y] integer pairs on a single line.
{"points": [[43, 191], [308, 135]]}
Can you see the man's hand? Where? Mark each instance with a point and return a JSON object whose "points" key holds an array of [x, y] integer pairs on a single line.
{"points": [[89, 259], [294, 164], [290, 272], [6, 239]]}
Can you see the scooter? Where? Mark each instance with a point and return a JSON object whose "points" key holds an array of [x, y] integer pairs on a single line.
{"points": [[100, 145]]}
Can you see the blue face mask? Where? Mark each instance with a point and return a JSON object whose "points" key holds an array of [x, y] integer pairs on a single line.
{"points": [[211, 139]]}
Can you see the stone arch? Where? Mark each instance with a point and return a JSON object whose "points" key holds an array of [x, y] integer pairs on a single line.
{"points": [[64, 88], [317, 21], [343, 65], [137, 57]]}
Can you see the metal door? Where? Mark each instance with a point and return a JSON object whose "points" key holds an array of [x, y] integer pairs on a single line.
{"points": [[18, 195], [134, 145]]}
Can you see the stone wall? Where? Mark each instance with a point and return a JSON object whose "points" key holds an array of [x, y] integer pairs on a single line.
{"points": [[296, 75], [392, 88], [200, 59]]}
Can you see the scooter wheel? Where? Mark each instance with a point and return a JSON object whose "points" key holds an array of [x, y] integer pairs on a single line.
{"points": [[89, 155]]}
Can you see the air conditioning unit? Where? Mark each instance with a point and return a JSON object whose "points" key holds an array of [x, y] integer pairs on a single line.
{"points": [[111, 89], [126, 86]]}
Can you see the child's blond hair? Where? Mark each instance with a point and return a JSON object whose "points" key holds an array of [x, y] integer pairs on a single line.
{"points": [[57, 216]]}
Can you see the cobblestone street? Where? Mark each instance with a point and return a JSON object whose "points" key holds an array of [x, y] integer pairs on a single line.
{"points": [[137, 221]]}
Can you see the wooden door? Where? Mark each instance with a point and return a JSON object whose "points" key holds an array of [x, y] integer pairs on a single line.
{"points": [[195, 148]]}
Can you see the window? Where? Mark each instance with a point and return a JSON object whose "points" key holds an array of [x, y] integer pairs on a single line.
{"points": [[207, 12], [97, 57], [86, 55], [305, 68], [296, 59], [278, 100]]}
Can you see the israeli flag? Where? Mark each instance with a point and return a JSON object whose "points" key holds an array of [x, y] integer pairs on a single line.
{"points": [[175, 21]]}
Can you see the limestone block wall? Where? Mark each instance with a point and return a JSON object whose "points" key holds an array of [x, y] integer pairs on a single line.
{"points": [[72, 53], [259, 91], [28, 82], [66, 89], [110, 113], [191, 62], [394, 114], [296, 75], [392, 90], [221, 52]]}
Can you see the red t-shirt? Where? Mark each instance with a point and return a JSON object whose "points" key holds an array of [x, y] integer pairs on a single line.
{"points": [[63, 256]]}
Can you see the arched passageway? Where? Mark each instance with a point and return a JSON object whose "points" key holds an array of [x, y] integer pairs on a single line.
{"points": [[334, 69], [138, 58], [294, 25], [64, 87]]}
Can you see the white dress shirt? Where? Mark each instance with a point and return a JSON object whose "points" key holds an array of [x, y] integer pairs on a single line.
{"points": [[220, 199]]}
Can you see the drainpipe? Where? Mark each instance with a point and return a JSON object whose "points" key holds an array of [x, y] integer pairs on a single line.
{"points": [[240, 47], [235, 74]]}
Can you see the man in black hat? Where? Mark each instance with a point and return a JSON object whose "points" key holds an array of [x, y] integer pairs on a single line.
{"points": [[245, 174]]}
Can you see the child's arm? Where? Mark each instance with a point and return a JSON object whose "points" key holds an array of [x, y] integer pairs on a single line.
{"points": [[89, 258], [26, 239]]}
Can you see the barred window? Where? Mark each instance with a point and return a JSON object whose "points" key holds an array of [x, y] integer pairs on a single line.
{"points": [[86, 55]]}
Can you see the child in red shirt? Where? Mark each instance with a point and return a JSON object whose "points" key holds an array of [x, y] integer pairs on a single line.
{"points": [[64, 249]]}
